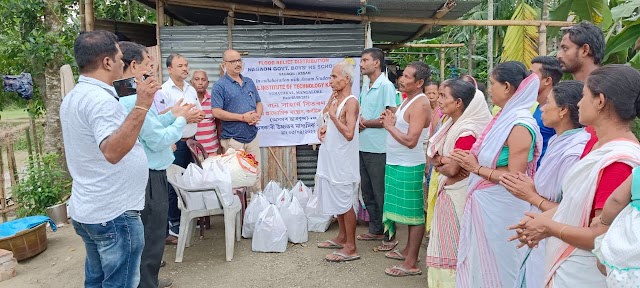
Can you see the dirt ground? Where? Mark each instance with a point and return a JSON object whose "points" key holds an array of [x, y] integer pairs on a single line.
{"points": [[62, 264]]}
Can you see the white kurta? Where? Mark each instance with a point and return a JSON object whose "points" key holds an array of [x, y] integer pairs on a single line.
{"points": [[338, 172]]}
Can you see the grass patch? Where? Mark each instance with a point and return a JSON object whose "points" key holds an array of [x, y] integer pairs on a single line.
{"points": [[19, 113]]}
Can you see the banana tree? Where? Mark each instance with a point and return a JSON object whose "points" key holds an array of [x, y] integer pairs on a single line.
{"points": [[521, 42]]}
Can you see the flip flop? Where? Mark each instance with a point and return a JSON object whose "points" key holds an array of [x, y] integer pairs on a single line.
{"points": [[332, 245], [369, 237], [404, 271], [397, 255], [386, 246], [343, 257]]}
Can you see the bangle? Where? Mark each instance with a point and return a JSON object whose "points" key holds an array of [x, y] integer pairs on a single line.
{"points": [[141, 108], [562, 230], [539, 204], [478, 171], [490, 174], [602, 222], [242, 117]]}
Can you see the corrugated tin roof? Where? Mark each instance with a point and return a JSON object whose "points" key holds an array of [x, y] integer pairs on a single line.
{"points": [[381, 32]]}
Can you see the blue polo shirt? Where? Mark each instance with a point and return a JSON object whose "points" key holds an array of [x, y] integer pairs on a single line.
{"points": [[230, 96]]}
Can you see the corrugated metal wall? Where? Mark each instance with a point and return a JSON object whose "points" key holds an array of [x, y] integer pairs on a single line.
{"points": [[203, 47]]}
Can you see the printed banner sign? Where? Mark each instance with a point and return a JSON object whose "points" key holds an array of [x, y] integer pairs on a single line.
{"points": [[293, 92]]}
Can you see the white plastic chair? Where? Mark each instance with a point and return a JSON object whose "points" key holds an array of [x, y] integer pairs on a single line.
{"points": [[232, 221]]}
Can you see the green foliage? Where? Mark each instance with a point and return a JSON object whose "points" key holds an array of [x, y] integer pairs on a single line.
{"points": [[27, 45], [126, 10], [44, 184]]}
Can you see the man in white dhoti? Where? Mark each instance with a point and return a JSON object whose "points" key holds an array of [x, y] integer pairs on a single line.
{"points": [[338, 173]]}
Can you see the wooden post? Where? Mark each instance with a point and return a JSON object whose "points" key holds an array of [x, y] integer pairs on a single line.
{"points": [[36, 144], [159, 24], [83, 24], [230, 22], [29, 148], [442, 64], [542, 40], [3, 195], [11, 163], [89, 16]]}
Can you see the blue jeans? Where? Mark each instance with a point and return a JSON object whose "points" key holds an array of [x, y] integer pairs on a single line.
{"points": [[114, 250]]}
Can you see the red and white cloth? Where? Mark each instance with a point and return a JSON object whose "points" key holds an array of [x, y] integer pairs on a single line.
{"points": [[207, 133]]}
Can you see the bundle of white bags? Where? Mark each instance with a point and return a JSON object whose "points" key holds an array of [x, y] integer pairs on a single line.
{"points": [[277, 216], [213, 175], [243, 168]]}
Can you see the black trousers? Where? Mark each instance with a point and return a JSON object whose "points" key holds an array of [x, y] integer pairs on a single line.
{"points": [[372, 184], [154, 219]]}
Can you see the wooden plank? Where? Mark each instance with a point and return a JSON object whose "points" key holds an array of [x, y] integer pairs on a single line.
{"points": [[279, 164]]}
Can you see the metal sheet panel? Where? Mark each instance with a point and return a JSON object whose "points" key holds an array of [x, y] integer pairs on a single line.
{"points": [[203, 47]]}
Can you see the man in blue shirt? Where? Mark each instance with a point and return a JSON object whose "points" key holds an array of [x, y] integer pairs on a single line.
{"points": [[157, 135], [377, 95], [549, 71], [236, 102]]}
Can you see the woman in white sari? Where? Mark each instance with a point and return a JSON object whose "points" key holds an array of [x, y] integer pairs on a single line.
{"points": [[511, 143], [610, 102], [560, 112], [468, 115]]}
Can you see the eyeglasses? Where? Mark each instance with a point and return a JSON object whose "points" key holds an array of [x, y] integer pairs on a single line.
{"points": [[237, 61]]}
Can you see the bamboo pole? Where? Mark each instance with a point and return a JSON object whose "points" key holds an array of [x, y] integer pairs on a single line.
{"points": [[542, 40], [3, 195], [320, 15], [159, 23], [442, 63], [490, 40], [89, 16], [406, 45]]}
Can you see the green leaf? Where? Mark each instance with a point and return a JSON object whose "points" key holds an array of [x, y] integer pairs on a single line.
{"points": [[560, 13], [520, 43], [622, 41], [625, 9], [594, 11], [635, 61]]}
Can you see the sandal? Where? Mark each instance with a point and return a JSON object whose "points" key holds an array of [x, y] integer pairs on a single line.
{"points": [[397, 255], [342, 257], [369, 237], [332, 245], [403, 271], [386, 246]]}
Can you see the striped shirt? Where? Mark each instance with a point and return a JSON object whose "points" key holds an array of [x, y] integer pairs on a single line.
{"points": [[207, 133]]}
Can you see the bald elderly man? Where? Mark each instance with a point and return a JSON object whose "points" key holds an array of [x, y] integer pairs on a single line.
{"points": [[235, 101]]}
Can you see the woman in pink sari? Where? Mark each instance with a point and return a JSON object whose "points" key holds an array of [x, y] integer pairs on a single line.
{"points": [[611, 101]]}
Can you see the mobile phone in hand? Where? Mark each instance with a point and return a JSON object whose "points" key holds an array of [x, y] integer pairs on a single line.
{"points": [[125, 87]]}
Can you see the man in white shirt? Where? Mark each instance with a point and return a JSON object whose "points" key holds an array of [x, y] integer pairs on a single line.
{"points": [[107, 163], [174, 89]]}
